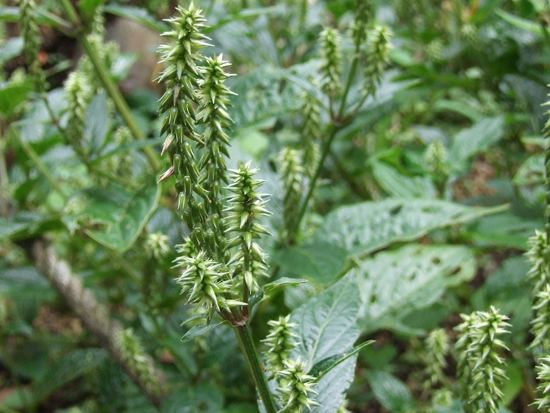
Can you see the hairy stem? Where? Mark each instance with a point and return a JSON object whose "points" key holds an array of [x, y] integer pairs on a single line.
{"points": [[253, 361]]}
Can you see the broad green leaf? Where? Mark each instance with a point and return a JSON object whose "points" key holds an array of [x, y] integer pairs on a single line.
{"points": [[478, 138], [11, 48], [139, 15], [395, 283], [202, 398], [398, 185], [504, 230], [369, 226], [326, 327], [391, 392], [198, 331], [115, 216], [318, 261]]}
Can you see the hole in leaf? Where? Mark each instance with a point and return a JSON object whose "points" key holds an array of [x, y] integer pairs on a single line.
{"points": [[373, 299], [436, 260], [455, 270], [396, 209]]}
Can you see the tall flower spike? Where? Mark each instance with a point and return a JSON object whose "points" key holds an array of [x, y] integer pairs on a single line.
{"points": [[437, 348], [362, 17], [543, 377], [297, 387], [280, 342], [332, 60], [214, 98], [546, 132], [246, 208], [181, 75], [377, 57], [31, 39], [480, 362], [311, 112], [292, 174], [78, 96], [205, 283], [538, 255], [540, 326]]}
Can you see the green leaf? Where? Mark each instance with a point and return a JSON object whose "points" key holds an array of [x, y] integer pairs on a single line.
{"points": [[98, 122], [139, 15], [325, 366], [398, 185], [480, 137], [282, 282], [520, 23], [89, 7], [198, 331], [369, 226], [395, 283], [115, 216], [391, 392], [11, 48], [326, 327], [202, 398], [12, 95], [318, 261]]}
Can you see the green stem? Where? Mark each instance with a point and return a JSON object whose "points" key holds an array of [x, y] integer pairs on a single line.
{"points": [[110, 86], [349, 82], [249, 350]]}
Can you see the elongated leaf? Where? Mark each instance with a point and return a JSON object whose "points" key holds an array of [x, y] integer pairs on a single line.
{"points": [[325, 366], [369, 226], [26, 225], [282, 282], [392, 284], [98, 122], [12, 95], [326, 326], [197, 331], [115, 216], [520, 23]]}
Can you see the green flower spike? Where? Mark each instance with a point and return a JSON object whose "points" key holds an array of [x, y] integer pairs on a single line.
{"points": [[157, 245], [543, 377], [437, 348], [204, 282], [30, 31], [538, 255], [540, 326], [296, 388], [214, 98], [181, 76], [292, 174], [246, 209], [280, 342], [312, 131], [362, 18], [480, 363], [332, 60], [377, 58], [79, 95]]}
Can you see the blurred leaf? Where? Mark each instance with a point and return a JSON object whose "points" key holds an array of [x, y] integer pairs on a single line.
{"points": [[319, 261], [393, 284], [326, 327], [98, 122], [480, 137], [504, 230], [200, 398], [11, 48], [369, 226], [89, 7], [520, 23], [198, 331], [70, 367], [391, 392], [398, 185], [115, 216], [323, 367], [139, 15], [12, 95], [26, 225], [282, 282]]}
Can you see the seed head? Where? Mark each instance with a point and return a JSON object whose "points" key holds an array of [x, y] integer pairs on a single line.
{"points": [[540, 326], [280, 342], [311, 112], [79, 95], [543, 378], [297, 387], [377, 57], [293, 176], [332, 60], [157, 245]]}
